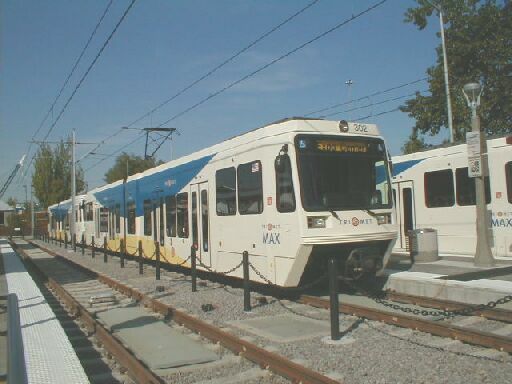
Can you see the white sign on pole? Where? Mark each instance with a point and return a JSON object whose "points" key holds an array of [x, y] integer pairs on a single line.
{"points": [[474, 158]]}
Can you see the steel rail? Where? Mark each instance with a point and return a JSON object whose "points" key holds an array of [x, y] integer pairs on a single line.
{"points": [[265, 359], [467, 335], [136, 369], [497, 314]]}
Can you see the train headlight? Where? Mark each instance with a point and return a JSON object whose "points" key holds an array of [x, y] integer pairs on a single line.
{"points": [[316, 222], [384, 219]]}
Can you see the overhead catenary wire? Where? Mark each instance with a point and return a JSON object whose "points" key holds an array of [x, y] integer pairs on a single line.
{"points": [[370, 104], [207, 74], [289, 53], [84, 76], [75, 65], [368, 96]]}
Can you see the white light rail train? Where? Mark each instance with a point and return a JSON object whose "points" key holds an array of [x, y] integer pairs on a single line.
{"points": [[432, 189], [291, 194]]}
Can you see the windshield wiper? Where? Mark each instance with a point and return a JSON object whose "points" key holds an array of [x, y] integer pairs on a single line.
{"points": [[335, 215]]}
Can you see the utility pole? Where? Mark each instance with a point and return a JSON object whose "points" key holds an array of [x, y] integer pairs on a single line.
{"points": [[73, 191], [446, 85], [478, 169], [445, 71]]}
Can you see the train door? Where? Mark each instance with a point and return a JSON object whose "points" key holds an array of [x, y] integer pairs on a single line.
{"points": [[158, 220], [404, 195], [201, 222]]}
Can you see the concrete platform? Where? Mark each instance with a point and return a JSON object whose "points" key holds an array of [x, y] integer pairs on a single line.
{"points": [[153, 341], [49, 356], [453, 279]]}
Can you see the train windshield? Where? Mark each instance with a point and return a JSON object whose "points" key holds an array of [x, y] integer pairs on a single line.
{"points": [[343, 173]]}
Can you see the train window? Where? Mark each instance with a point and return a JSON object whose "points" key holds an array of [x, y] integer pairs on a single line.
{"points": [[439, 191], [225, 180], [508, 172], [182, 214], [117, 213], [147, 217], [285, 196], [88, 212], [131, 218], [250, 188], [204, 218], [162, 214], [104, 220], [466, 194], [170, 207]]}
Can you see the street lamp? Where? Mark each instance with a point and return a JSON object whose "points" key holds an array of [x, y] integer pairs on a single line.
{"points": [[478, 169]]}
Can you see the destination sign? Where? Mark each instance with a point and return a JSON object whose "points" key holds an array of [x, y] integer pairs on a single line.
{"points": [[341, 146]]}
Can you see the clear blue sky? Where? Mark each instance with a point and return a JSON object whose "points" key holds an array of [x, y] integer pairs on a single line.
{"points": [[162, 46]]}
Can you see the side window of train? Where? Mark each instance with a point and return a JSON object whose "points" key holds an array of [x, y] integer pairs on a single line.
{"points": [[439, 190], [88, 212], [170, 207], [285, 195], [147, 217], [225, 182], [182, 214], [466, 193], [250, 188], [117, 212], [508, 172], [131, 218]]}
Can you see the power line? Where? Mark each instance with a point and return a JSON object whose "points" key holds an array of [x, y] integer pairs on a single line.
{"points": [[368, 96], [378, 114], [289, 53], [370, 105], [210, 72], [107, 41], [77, 61]]}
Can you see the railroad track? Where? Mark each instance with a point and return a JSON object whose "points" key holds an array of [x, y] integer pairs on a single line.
{"points": [[73, 283], [468, 329]]}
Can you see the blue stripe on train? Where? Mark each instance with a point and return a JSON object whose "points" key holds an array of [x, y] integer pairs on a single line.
{"points": [[60, 211], [164, 183], [404, 166]]}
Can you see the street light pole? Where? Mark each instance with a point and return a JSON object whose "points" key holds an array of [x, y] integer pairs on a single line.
{"points": [[446, 85], [478, 169], [445, 71]]}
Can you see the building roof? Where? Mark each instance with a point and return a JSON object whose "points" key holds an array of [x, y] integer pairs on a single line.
{"points": [[5, 206]]}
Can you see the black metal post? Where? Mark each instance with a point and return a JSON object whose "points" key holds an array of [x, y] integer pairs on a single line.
{"points": [[83, 244], [74, 242], [334, 299], [193, 271], [66, 240], [141, 259], [93, 248], [60, 243], [157, 253], [122, 249], [247, 292], [105, 249]]}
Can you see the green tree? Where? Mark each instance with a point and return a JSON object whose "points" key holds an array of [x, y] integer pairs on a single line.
{"points": [[414, 143], [12, 201], [52, 174], [478, 38], [129, 163]]}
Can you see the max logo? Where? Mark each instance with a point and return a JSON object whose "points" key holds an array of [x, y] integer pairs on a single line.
{"points": [[271, 238], [501, 222]]}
